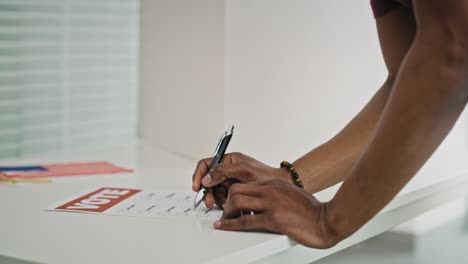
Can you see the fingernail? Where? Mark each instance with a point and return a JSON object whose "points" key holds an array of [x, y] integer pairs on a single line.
{"points": [[222, 206], [207, 180], [217, 224]]}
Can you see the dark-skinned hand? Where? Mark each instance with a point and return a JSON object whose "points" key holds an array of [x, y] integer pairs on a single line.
{"points": [[279, 207], [233, 168]]}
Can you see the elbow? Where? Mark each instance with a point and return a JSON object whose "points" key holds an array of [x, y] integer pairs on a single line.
{"points": [[453, 71], [454, 61], [391, 78], [447, 51], [389, 83]]}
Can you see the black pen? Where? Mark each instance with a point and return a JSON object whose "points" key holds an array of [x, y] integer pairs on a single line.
{"points": [[218, 155]]}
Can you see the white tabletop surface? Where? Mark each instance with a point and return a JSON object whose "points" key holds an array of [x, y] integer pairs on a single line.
{"points": [[30, 233]]}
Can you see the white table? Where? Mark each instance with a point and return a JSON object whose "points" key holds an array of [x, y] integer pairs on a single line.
{"points": [[31, 234]]}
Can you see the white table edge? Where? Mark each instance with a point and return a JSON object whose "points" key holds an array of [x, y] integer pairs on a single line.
{"points": [[279, 250]]}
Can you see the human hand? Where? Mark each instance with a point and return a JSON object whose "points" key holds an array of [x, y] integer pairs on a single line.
{"points": [[278, 207], [233, 168]]}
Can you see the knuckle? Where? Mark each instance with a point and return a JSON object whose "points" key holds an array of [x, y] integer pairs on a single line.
{"points": [[236, 201], [237, 156], [201, 163], [243, 221], [227, 225], [233, 157], [262, 191], [235, 189], [246, 168], [243, 164]]}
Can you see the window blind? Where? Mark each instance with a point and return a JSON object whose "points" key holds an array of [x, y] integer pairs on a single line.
{"points": [[68, 74]]}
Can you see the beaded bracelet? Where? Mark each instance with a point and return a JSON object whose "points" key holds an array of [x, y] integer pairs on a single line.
{"points": [[295, 176]]}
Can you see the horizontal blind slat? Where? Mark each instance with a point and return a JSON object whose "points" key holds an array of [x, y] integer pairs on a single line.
{"points": [[67, 68]]}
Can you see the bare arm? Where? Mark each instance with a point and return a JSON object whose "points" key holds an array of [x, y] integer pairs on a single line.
{"points": [[329, 163], [428, 96]]}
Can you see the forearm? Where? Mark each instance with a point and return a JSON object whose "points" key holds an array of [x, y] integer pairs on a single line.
{"points": [[427, 99], [329, 163]]}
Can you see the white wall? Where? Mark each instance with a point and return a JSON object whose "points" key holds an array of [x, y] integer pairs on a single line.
{"points": [[182, 74], [295, 72]]}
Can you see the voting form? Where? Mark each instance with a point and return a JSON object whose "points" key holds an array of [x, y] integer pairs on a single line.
{"points": [[137, 202]]}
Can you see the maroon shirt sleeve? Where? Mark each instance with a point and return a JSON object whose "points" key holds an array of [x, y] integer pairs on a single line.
{"points": [[382, 7]]}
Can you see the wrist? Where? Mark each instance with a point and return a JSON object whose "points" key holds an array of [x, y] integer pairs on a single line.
{"points": [[296, 180], [285, 175], [330, 225]]}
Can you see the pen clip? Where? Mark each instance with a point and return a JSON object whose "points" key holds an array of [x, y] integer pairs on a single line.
{"points": [[229, 132], [219, 144]]}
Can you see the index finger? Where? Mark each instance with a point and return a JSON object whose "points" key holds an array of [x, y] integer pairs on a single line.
{"points": [[243, 223], [200, 171]]}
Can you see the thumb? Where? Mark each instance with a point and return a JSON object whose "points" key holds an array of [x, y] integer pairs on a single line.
{"points": [[241, 171]]}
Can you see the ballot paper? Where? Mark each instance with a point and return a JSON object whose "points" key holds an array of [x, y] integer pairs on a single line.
{"points": [[138, 203]]}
